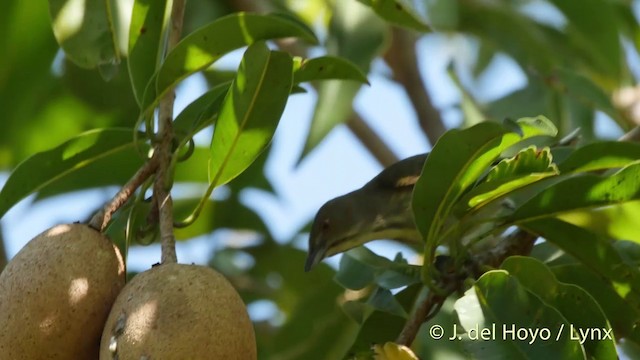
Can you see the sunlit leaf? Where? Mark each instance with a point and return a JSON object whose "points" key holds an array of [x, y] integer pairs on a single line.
{"points": [[527, 167], [46, 167], [616, 221], [250, 112], [594, 252], [601, 155], [209, 43], [586, 191], [457, 160]]}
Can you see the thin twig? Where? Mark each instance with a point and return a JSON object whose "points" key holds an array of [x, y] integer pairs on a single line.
{"points": [[403, 61], [162, 185], [101, 219]]}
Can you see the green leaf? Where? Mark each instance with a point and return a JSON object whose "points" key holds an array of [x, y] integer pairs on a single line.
{"points": [[380, 327], [584, 191], [615, 222], [593, 251], [46, 167], [328, 67], [510, 31], [209, 43], [587, 93], [113, 169], [600, 156], [200, 113], [457, 160], [398, 12], [330, 336], [500, 304], [527, 167], [219, 214], [250, 112], [383, 300], [622, 315], [539, 280], [145, 34], [360, 267], [594, 26], [85, 30]]}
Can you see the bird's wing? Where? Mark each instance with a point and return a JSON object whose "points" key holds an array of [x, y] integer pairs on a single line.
{"points": [[404, 173]]}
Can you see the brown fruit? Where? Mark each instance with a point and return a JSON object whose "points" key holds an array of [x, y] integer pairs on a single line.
{"points": [[56, 293], [176, 311]]}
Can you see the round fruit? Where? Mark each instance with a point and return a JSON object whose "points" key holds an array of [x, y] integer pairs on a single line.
{"points": [[56, 293], [176, 311]]}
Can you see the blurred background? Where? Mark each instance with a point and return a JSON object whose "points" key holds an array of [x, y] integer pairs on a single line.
{"points": [[574, 62]]}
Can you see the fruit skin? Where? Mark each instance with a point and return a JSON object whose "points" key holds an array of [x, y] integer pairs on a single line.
{"points": [[176, 311], [56, 293]]}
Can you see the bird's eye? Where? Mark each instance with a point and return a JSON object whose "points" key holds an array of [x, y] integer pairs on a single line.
{"points": [[325, 224]]}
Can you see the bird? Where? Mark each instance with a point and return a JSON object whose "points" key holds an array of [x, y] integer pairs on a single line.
{"points": [[381, 209]]}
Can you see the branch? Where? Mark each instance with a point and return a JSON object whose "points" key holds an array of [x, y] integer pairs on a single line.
{"points": [[101, 219], [519, 242], [403, 61], [163, 149], [376, 146]]}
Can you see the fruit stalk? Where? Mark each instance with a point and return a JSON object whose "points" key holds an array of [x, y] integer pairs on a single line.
{"points": [[163, 148]]}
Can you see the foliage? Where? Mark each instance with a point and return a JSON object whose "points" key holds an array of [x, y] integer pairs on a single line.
{"points": [[480, 182]]}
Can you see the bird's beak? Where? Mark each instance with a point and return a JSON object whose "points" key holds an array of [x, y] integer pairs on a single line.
{"points": [[315, 257]]}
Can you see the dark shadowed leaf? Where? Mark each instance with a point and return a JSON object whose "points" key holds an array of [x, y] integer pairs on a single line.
{"points": [[145, 34], [85, 30]]}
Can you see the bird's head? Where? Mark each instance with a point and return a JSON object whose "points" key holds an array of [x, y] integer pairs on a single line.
{"points": [[337, 227]]}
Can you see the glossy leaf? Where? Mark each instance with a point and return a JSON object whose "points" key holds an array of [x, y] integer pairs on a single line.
{"points": [[615, 222], [600, 156], [148, 21], [250, 112], [46, 167], [539, 280], [498, 298], [85, 30], [327, 67], [209, 43], [585, 191], [458, 159]]}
